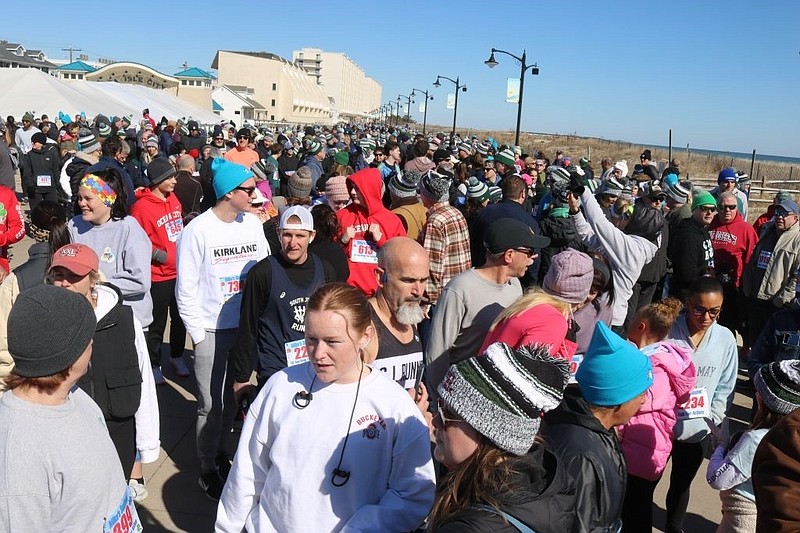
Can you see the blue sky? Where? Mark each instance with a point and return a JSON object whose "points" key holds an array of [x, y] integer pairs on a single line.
{"points": [[723, 75]]}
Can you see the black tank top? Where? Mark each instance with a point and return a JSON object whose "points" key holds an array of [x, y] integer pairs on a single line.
{"points": [[401, 362]]}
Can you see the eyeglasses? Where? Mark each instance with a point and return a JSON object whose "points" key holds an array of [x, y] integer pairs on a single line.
{"points": [[248, 190], [700, 311], [728, 207], [243, 137], [441, 415], [708, 209]]}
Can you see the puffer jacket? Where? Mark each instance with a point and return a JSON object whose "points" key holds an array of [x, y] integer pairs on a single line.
{"points": [[361, 261], [541, 495], [592, 456], [647, 437]]}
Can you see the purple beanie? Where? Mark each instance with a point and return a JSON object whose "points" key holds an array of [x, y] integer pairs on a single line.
{"points": [[570, 276]]}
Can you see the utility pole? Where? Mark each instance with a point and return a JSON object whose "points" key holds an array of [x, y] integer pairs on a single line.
{"points": [[71, 50]]}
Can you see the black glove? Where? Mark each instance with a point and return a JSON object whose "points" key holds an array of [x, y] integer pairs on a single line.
{"points": [[576, 185]]}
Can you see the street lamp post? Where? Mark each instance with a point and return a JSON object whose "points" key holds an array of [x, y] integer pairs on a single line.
{"points": [[491, 63], [459, 87], [425, 112], [408, 99]]}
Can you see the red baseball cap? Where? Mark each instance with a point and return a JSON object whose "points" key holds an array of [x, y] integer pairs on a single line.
{"points": [[77, 258]]}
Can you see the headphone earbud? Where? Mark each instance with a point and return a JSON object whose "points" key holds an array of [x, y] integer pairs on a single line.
{"points": [[384, 277]]}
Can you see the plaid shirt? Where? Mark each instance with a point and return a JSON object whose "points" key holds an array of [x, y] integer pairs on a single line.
{"points": [[446, 238]]}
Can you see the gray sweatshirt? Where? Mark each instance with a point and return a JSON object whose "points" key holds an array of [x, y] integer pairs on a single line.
{"points": [[60, 471], [124, 250]]}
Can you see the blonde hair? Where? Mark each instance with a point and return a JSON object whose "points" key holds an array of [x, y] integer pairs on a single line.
{"points": [[532, 298]]}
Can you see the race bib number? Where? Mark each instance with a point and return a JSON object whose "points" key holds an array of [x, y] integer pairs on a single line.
{"points": [[296, 352], [44, 181], [402, 369], [574, 363], [173, 229], [230, 286], [364, 252], [697, 406], [763, 259], [124, 519]]}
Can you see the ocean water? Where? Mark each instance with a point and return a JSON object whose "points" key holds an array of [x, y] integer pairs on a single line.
{"points": [[763, 158]]}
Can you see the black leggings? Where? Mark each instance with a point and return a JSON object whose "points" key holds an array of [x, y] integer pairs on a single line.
{"points": [[637, 509], [686, 461], [123, 435], [163, 294]]}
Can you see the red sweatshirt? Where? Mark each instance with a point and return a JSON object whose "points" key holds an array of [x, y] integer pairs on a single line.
{"points": [[11, 229], [163, 223], [733, 245], [541, 324], [360, 250]]}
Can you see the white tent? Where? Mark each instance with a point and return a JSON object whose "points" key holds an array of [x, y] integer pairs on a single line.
{"points": [[30, 89]]}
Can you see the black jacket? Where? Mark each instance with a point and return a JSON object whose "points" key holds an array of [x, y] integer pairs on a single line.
{"points": [[563, 234], [43, 162], [592, 456], [33, 271], [541, 495], [689, 252]]}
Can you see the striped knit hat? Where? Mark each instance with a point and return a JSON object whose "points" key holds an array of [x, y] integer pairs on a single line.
{"points": [[405, 185], [477, 189], [679, 191], [779, 385], [506, 157], [504, 392], [104, 129], [495, 194], [87, 141], [482, 149], [465, 146]]}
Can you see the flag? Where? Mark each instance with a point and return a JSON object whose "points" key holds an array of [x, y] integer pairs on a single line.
{"points": [[451, 101], [512, 91]]}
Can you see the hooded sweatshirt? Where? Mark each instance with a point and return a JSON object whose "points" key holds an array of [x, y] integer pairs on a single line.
{"points": [[690, 251], [361, 249], [162, 220], [733, 244], [647, 437]]}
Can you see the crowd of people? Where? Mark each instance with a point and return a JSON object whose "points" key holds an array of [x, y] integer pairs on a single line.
{"points": [[420, 334]]}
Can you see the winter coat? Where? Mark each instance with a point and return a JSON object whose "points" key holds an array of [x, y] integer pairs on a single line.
{"points": [[541, 323], [360, 250], [593, 457], [690, 251], [562, 233], [647, 437], [653, 271], [73, 171], [42, 164], [782, 262], [541, 495]]}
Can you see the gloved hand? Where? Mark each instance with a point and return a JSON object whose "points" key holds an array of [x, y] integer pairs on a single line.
{"points": [[159, 257], [576, 183]]}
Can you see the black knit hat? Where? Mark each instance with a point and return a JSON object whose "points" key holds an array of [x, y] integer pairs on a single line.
{"points": [[160, 169], [47, 308]]}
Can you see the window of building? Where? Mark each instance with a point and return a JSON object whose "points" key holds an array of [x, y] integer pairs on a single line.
{"points": [[273, 102], [183, 82], [274, 86], [272, 117]]}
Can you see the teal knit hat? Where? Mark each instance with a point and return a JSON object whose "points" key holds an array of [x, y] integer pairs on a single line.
{"points": [[613, 371], [227, 176], [503, 392]]}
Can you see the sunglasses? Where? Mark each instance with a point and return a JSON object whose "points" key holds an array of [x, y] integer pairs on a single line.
{"points": [[248, 190], [527, 251], [728, 207], [708, 209], [783, 213], [441, 416]]}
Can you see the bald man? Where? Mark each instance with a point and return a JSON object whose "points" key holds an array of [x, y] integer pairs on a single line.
{"points": [[402, 273]]}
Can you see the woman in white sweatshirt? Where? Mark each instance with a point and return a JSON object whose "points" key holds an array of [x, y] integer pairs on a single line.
{"points": [[330, 445]]}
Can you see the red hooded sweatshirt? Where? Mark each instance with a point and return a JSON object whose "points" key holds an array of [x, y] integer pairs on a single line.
{"points": [[733, 244], [361, 249], [11, 227], [163, 223]]}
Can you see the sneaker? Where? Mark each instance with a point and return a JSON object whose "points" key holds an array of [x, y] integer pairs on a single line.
{"points": [[138, 490], [179, 366], [158, 376], [223, 462], [211, 484]]}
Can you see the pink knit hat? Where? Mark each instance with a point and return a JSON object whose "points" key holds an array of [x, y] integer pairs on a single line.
{"points": [[336, 188]]}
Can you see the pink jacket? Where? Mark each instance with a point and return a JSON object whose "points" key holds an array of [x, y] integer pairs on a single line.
{"points": [[647, 438]]}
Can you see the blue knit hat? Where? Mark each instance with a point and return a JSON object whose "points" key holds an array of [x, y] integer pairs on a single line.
{"points": [[227, 176], [726, 174], [613, 371]]}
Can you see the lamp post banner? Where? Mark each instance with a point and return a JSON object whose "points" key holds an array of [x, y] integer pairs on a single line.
{"points": [[512, 91], [422, 106], [451, 101]]}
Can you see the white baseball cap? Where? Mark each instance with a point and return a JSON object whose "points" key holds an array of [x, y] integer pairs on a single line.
{"points": [[301, 212]]}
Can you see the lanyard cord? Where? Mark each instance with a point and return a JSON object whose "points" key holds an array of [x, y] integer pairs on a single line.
{"points": [[338, 472]]}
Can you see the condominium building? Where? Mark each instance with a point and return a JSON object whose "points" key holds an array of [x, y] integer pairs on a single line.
{"points": [[352, 92], [284, 90]]}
